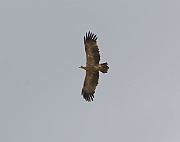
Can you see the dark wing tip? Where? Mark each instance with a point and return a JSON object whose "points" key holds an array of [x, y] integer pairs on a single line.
{"points": [[87, 96], [90, 37]]}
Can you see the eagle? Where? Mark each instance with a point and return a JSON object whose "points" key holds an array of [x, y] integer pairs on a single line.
{"points": [[92, 66]]}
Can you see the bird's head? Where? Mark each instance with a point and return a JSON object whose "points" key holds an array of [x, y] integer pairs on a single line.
{"points": [[82, 67]]}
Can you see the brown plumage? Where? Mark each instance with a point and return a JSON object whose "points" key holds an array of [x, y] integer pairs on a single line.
{"points": [[92, 66]]}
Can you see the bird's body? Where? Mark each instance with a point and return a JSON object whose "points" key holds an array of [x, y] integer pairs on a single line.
{"points": [[92, 66]]}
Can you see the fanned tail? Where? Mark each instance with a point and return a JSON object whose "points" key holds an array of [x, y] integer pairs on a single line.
{"points": [[104, 67]]}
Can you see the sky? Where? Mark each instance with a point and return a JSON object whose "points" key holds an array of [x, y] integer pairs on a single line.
{"points": [[41, 49]]}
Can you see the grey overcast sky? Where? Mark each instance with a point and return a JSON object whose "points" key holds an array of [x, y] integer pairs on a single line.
{"points": [[41, 48]]}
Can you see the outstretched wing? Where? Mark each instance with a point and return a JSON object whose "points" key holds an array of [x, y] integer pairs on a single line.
{"points": [[91, 48], [90, 83]]}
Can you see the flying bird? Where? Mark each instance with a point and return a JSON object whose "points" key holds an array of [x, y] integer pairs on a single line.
{"points": [[92, 66]]}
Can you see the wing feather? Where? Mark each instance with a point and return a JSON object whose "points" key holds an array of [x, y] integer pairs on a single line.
{"points": [[91, 48], [90, 83]]}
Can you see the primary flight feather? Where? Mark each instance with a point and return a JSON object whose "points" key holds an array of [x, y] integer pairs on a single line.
{"points": [[92, 66]]}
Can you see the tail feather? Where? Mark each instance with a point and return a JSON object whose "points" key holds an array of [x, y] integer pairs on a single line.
{"points": [[104, 67]]}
